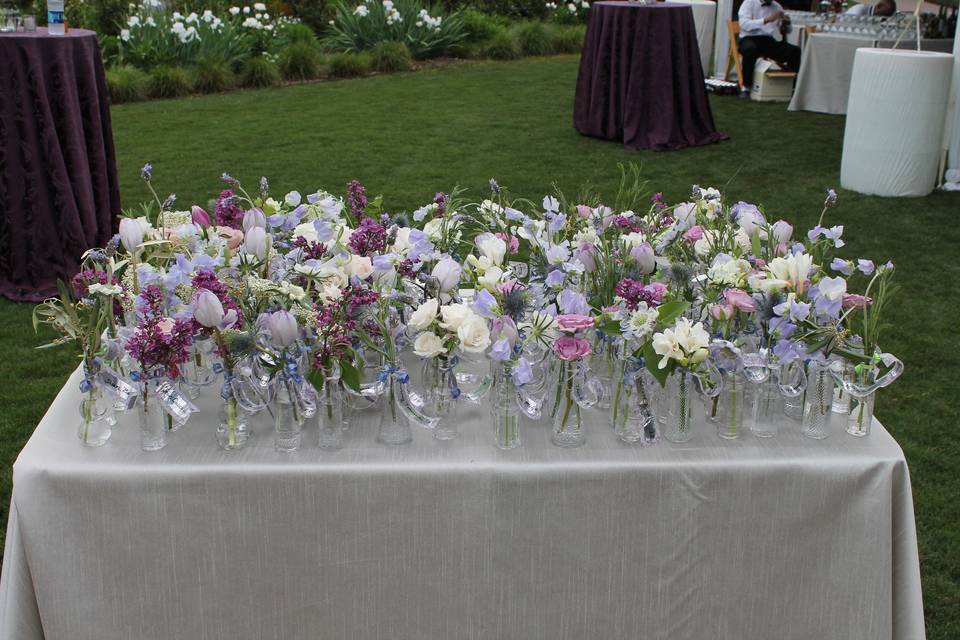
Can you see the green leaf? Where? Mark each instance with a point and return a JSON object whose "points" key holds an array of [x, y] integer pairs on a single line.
{"points": [[349, 374], [652, 360], [316, 378], [755, 244], [611, 328], [668, 312]]}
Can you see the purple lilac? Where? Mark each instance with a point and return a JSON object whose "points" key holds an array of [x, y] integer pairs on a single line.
{"points": [[369, 238], [356, 198], [227, 212]]}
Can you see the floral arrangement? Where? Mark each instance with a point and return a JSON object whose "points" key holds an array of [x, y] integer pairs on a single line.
{"points": [[312, 308]]}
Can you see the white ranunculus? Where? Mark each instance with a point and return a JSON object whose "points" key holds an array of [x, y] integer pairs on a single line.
{"points": [[424, 315], [454, 315], [704, 245], [360, 266], [428, 345], [329, 293], [492, 247], [474, 334], [447, 272]]}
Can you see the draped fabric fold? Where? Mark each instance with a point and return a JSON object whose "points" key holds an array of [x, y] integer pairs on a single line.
{"points": [[641, 79], [59, 193]]}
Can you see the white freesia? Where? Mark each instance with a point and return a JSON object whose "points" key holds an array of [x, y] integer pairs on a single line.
{"points": [[474, 334], [685, 342], [428, 345], [424, 315], [454, 315], [792, 269]]}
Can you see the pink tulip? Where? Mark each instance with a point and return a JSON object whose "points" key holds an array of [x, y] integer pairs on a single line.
{"points": [[234, 237], [200, 217], [721, 312], [569, 348]]}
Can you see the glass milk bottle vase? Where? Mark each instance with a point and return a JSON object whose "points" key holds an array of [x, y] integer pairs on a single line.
{"points": [[818, 402], [730, 406], [440, 393], [631, 415], [232, 429], [288, 419], [152, 418], [504, 410], [394, 424], [576, 391], [680, 389], [606, 364], [867, 378], [94, 428], [330, 409]]}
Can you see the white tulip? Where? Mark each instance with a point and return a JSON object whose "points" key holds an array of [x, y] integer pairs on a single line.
{"points": [[132, 232], [447, 272], [256, 242], [283, 328], [207, 309], [254, 218]]}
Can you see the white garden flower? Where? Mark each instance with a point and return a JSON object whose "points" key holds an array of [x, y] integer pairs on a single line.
{"points": [[454, 315], [428, 345], [361, 11], [259, 6], [791, 270], [360, 267], [424, 315], [685, 342], [474, 334], [133, 21], [234, 11], [641, 322], [104, 289], [125, 35], [491, 247]]}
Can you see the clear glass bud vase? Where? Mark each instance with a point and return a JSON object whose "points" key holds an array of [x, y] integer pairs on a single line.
{"points": [[576, 392], [330, 410], [153, 421], [818, 402], [198, 370], [680, 412], [862, 382], [729, 406], [605, 365], [232, 430], [94, 428], [504, 410], [631, 414], [767, 408], [440, 395], [287, 419], [394, 423]]}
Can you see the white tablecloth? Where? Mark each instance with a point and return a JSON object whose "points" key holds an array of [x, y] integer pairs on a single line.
{"points": [[704, 16], [784, 538], [823, 84]]}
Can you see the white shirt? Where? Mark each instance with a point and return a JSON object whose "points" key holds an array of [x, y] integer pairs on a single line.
{"points": [[860, 10], [751, 16]]}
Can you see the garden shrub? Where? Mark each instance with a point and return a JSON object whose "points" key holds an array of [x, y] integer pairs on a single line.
{"points": [[480, 27], [427, 32], [348, 65], [299, 61], [212, 75], [127, 84], [169, 82], [316, 14], [535, 38], [258, 71], [503, 46], [569, 39], [388, 57], [298, 32]]}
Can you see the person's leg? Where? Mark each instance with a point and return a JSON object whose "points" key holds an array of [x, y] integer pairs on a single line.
{"points": [[749, 52], [786, 55]]}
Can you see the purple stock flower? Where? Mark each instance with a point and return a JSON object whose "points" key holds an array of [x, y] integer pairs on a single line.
{"points": [[369, 238], [227, 212], [356, 198], [441, 200]]}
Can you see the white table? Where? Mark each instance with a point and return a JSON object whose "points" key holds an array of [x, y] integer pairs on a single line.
{"points": [[823, 84], [704, 16], [785, 538]]}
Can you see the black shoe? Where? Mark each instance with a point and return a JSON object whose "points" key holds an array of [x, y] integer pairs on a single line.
{"points": [[744, 94]]}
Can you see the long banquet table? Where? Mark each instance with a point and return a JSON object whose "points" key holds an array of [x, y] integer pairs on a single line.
{"points": [[784, 538]]}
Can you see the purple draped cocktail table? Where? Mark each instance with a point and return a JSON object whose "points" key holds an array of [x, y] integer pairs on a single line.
{"points": [[59, 194], [641, 79]]}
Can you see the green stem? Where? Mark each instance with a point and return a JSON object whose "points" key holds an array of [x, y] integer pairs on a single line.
{"points": [[232, 422], [566, 411]]}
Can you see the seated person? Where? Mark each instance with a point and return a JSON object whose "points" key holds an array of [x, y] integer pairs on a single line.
{"points": [[760, 22], [884, 8]]}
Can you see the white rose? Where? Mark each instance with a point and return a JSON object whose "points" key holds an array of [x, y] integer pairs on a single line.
{"points": [[424, 315], [474, 335], [454, 315], [428, 345], [305, 230], [360, 266]]}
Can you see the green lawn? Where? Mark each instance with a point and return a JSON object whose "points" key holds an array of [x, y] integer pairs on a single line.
{"points": [[411, 135]]}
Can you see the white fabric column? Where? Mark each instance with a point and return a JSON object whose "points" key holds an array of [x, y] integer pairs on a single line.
{"points": [[895, 116], [953, 127], [704, 17], [721, 45]]}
